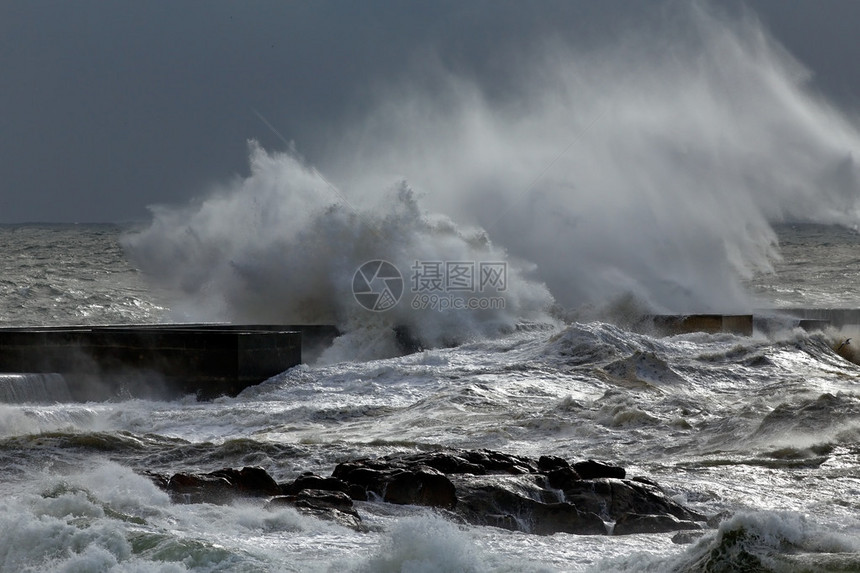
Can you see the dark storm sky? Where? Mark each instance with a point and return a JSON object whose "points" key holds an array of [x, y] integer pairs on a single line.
{"points": [[107, 107]]}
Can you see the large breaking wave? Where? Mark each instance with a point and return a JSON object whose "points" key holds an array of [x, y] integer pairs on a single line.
{"points": [[651, 166]]}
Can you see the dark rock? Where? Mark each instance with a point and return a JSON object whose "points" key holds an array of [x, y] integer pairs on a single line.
{"points": [[481, 487], [330, 505], [549, 463], [634, 497], [485, 487], [562, 478], [519, 504], [322, 498], [631, 523], [199, 488], [357, 493], [612, 498], [475, 462], [591, 469], [407, 342], [646, 481], [358, 473], [313, 481], [685, 537], [565, 517], [493, 462], [418, 485], [251, 481], [422, 486], [589, 495], [222, 486], [447, 463]]}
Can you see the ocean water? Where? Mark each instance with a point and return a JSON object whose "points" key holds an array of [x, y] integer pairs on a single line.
{"points": [[652, 174], [764, 430], [70, 274]]}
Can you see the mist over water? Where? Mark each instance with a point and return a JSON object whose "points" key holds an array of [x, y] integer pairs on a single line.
{"points": [[653, 166], [281, 248]]}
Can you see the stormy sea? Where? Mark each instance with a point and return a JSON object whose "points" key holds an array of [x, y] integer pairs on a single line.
{"points": [[490, 268]]}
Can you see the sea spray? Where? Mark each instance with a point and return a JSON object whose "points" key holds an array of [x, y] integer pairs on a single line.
{"points": [[760, 541], [20, 388], [535, 392], [652, 164], [283, 248], [651, 168], [421, 545]]}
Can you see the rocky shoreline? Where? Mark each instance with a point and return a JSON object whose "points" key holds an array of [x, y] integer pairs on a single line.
{"points": [[481, 487]]}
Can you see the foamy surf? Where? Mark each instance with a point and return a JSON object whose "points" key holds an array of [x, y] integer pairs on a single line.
{"points": [[615, 182]]}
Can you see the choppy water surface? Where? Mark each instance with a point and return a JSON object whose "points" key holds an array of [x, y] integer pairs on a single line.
{"points": [[69, 274], [763, 429], [820, 268]]}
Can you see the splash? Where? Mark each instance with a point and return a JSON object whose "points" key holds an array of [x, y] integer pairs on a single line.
{"points": [[280, 248], [21, 388], [651, 167]]}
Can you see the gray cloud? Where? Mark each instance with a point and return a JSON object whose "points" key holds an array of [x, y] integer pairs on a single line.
{"points": [[106, 108]]}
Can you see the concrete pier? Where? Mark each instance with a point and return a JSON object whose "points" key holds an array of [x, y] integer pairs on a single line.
{"points": [[210, 360], [741, 324], [837, 317], [159, 361], [761, 320]]}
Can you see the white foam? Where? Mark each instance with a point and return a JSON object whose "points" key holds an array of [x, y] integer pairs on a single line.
{"points": [[425, 545]]}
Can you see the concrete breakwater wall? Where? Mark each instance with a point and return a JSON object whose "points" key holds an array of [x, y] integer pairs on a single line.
{"points": [[741, 324], [837, 317], [761, 320], [210, 360], [159, 361]]}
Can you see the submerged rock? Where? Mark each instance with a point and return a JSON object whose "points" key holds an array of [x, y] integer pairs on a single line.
{"points": [[685, 537], [630, 523]]}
